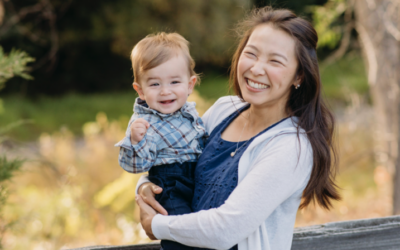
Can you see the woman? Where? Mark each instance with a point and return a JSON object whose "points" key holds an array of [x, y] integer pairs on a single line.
{"points": [[269, 147]]}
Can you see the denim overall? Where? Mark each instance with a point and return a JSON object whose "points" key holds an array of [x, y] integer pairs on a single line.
{"points": [[177, 182], [216, 174]]}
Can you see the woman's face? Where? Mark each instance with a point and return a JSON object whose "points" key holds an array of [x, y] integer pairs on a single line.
{"points": [[267, 67]]}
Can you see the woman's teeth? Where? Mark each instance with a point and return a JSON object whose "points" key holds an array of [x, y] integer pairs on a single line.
{"points": [[256, 85]]}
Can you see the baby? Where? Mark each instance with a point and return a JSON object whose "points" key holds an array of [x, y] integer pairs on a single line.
{"points": [[165, 135]]}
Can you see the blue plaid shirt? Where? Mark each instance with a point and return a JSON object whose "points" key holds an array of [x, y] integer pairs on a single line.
{"points": [[171, 138]]}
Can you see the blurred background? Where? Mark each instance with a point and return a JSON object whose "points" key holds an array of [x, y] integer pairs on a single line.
{"points": [[66, 98]]}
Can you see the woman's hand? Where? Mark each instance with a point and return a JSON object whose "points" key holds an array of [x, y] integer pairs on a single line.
{"points": [[147, 191], [147, 214]]}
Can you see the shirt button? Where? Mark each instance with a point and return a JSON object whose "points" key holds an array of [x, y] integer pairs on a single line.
{"points": [[199, 127], [172, 126]]}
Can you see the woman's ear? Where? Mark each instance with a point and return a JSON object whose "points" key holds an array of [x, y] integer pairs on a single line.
{"points": [[192, 83], [298, 80], [139, 90]]}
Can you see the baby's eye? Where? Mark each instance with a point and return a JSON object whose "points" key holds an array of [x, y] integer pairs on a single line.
{"points": [[175, 82], [154, 84]]}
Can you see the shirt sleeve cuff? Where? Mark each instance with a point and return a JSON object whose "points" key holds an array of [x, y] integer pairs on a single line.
{"points": [[143, 147], [143, 179], [159, 226], [125, 143]]}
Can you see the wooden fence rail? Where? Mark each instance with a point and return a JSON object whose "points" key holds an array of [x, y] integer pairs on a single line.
{"points": [[377, 234]]}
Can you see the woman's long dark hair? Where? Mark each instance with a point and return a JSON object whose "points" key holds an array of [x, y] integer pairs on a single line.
{"points": [[305, 103]]}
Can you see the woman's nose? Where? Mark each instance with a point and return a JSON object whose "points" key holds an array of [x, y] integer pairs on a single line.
{"points": [[258, 69]]}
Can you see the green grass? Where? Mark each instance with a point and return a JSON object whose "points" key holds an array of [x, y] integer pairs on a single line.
{"points": [[213, 87], [72, 111]]}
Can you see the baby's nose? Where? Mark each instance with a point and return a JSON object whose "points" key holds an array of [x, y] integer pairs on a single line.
{"points": [[165, 91]]}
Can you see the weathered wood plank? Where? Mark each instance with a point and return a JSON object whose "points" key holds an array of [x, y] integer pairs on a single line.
{"points": [[377, 234], [148, 246]]}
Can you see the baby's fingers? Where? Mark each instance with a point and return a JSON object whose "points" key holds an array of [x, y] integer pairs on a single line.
{"points": [[144, 122]]}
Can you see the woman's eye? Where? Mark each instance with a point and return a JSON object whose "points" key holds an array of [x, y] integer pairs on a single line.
{"points": [[275, 61], [249, 53]]}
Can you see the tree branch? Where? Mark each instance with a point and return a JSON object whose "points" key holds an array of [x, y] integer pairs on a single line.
{"points": [[345, 42], [16, 18]]}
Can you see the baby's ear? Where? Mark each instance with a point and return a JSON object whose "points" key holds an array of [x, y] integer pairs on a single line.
{"points": [[192, 83], [139, 90]]}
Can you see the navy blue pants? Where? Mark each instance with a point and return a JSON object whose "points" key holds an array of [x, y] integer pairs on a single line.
{"points": [[177, 182]]}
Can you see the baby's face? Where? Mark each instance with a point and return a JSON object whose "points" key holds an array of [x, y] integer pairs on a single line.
{"points": [[166, 87]]}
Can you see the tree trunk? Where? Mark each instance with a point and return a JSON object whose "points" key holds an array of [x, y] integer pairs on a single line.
{"points": [[378, 27]]}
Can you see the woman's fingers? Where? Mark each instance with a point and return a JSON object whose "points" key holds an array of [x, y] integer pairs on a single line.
{"points": [[155, 205], [148, 197], [147, 191], [156, 189], [147, 214]]}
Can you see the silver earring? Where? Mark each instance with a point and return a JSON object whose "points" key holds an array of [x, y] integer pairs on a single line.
{"points": [[298, 86]]}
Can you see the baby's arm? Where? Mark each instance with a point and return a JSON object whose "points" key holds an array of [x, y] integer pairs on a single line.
{"points": [[138, 150]]}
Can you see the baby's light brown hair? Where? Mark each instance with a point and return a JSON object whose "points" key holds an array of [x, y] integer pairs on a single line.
{"points": [[156, 49]]}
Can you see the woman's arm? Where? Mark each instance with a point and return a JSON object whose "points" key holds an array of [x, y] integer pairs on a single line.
{"points": [[277, 174]]}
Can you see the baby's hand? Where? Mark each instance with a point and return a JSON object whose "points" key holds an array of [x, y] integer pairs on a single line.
{"points": [[138, 130]]}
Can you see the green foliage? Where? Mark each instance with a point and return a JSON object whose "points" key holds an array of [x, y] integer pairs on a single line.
{"points": [[205, 24], [343, 77], [14, 64], [325, 22], [7, 168], [11, 65]]}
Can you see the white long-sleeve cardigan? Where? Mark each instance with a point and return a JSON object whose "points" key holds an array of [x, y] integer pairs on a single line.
{"points": [[261, 211]]}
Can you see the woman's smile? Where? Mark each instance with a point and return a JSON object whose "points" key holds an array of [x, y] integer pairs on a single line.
{"points": [[256, 86]]}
